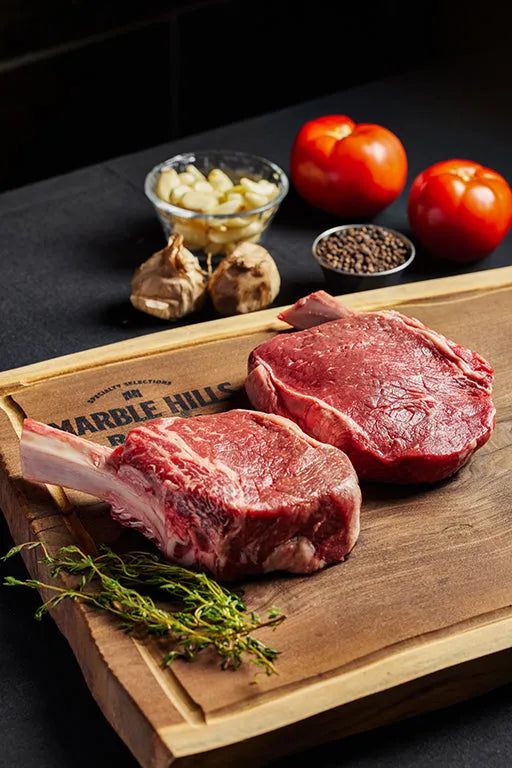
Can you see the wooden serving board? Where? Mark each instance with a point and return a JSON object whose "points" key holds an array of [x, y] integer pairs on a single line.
{"points": [[419, 616]]}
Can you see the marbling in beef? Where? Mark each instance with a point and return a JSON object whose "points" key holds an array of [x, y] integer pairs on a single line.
{"points": [[236, 493], [406, 404]]}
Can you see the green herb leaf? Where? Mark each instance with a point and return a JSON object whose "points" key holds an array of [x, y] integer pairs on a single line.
{"points": [[207, 615], [17, 549]]}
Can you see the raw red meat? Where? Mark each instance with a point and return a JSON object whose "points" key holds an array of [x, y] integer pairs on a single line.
{"points": [[406, 404], [236, 492]]}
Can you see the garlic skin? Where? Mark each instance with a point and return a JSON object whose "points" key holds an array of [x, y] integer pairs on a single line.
{"points": [[246, 280], [170, 284]]}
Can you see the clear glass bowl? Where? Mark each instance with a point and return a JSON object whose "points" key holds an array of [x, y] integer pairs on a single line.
{"points": [[216, 233]]}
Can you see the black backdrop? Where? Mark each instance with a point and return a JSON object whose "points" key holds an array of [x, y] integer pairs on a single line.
{"points": [[92, 228], [86, 80]]}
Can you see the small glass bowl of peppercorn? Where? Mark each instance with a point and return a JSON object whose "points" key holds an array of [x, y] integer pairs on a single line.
{"points": [[357, 257]]}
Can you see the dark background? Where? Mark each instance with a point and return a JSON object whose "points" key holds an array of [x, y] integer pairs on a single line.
{"points": [[85, 80], [82, 81]]}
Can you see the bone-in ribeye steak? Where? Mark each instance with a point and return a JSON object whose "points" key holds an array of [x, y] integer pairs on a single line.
{"points": [[406, 404], [237, 492]]}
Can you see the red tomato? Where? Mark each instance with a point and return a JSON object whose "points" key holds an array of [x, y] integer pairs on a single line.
{"points": [[347, 169], [460, 210]]}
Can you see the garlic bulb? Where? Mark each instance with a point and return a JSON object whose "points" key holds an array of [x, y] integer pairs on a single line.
{"points": [[246, 280], [170, 284]]}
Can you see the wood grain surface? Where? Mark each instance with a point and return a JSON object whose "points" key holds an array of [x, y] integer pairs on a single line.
{"points": [[418, 616]]}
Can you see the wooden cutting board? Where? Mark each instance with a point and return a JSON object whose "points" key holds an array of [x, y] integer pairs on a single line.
{"points": [[420, 615]]}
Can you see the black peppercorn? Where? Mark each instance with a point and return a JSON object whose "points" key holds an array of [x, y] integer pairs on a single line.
{"points": [[363, 250]]}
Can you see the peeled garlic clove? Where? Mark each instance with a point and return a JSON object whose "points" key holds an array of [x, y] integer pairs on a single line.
{"points": [[196, 222], [254, 239], [205, 186], [237, 198], [249, 185], [238, 222], [235, 229], [218, 225], [234, 234], [253, 228], [254, 200], [229, 207], [167, 181], [204, 202], [220, 180], [187, 178], [221, 237], [178, 192], [237, 189], [170, 284], [194, 233], [245, 281], [195, 172], [266, 215], [267, 188]]}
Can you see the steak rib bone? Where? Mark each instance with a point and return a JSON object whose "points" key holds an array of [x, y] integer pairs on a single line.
{"points": [[237, 493], [54, 457], [315, 309]]}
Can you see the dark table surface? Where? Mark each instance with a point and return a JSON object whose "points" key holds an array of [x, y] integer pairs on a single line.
{"points": [[68, 248]]}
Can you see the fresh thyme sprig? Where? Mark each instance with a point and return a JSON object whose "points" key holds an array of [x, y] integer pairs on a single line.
{"points": [[207, 615]]}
